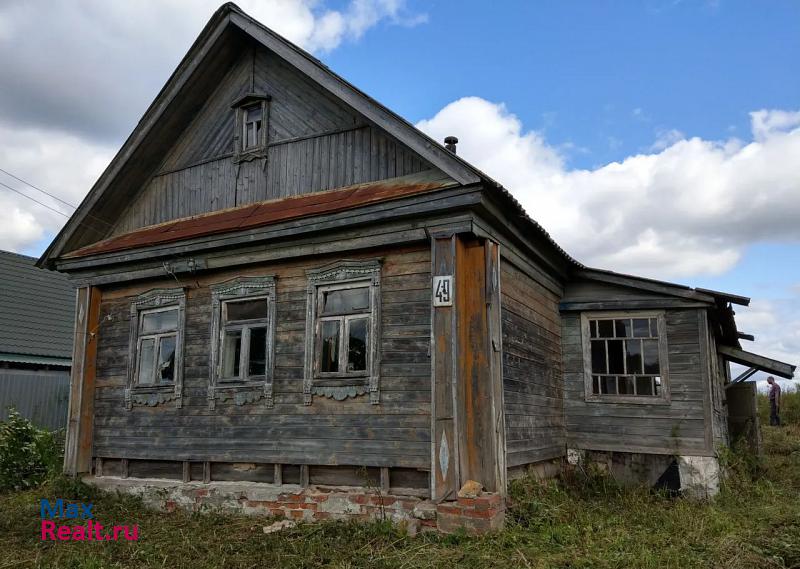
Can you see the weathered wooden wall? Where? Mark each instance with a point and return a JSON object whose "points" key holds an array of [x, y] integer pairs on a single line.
{"points": [[680, 427], [314, 143], [351, 432], [532, 376]]}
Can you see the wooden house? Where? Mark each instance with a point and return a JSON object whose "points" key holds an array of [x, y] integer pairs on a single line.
{"points": [[290, 297]]}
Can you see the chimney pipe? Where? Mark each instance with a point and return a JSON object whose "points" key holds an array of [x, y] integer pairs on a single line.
{"points": [[450, 143]]}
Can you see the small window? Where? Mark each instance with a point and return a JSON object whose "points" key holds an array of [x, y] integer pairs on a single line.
{"points": [[158, 333], [343, 316], [244, 339], [251, 120], [343, 330], [251, 114], [156, 339], [625, 356], [242, 323]]}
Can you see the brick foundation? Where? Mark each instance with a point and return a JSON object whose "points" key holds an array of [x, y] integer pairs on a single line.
{"points": [[474, 515]]}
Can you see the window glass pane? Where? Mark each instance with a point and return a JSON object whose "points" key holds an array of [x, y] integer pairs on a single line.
{"points": [[625, 384], [641, 328], [657, 381], [357, 345], [329, 353], [146, 360], [246, 309], [166, 359], [654, 327], [644, 386], [249, 135], [615, 356], [593, 328], [608, 385], [344, 301], [161, 321], [633, 356], [599, 356], [605, 328], [596, 384], [622, 328], [253, 113], [231, 352], [650, 356], [258, 352]]}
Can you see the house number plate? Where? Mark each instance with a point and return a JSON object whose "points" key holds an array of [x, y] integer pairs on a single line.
{"points": [[443, 290]]}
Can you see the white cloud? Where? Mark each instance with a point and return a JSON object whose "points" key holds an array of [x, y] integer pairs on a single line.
{"points": [[95, 65], [80, 74], [776, 326], [686, 209]]}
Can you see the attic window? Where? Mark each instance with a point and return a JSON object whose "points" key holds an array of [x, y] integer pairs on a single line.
{"points": [[252, 120], [251, 131]]}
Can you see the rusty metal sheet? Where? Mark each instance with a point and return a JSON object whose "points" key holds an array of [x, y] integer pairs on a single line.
{"points": [[264, 213]]}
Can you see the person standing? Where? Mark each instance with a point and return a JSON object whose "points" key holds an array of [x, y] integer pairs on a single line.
{"points": [[774, 402]]}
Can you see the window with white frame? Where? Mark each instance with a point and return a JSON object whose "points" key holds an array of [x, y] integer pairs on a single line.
{"points": [[158, 338], [625, 356], [243, 329], [342, 323], [155, 361], [252, 120]]}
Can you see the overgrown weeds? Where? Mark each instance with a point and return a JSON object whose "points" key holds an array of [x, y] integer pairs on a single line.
{"points": [[28, 455], [583, 520]]}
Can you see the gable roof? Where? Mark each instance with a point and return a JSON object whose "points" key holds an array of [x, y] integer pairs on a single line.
{"points": [[229, 17], [37, 311]]}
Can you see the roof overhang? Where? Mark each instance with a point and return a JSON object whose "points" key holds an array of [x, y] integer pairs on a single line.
{"points": [[756, 361], [34, 359]]}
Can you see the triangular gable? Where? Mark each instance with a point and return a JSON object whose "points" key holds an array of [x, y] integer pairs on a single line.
{"points": [[209, 54]]}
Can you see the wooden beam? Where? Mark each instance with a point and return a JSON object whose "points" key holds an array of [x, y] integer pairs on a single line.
{"points": [[78, 445], [750, 359]]}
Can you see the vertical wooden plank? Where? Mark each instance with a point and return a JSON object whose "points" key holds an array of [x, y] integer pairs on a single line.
{"points": [[206, 472], [706, 380], [187, 471], [98, 466], [494, 310], [278, 479], [78, 448], [304, 475], [444, 446], [125, 472], [474, 391], [385, 478], [76, 391]]}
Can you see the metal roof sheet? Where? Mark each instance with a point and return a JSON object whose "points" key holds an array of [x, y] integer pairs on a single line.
{"points": [[37, 309]]}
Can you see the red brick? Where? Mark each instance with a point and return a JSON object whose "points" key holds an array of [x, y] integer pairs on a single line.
{"points": [[467, 502], [448, 509], [318, 498], [359, 499], [385, 500], [278, 513], [296, 514], [290, 498], [322, 515]]}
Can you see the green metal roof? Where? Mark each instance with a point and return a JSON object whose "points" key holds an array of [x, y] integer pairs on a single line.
{"points": [[39, 360], [37, 310]]}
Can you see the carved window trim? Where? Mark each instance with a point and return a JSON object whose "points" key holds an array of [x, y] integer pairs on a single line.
{"points": [[240, 106], [659, 316], [343, 273], [241, 391], [151, 395]]}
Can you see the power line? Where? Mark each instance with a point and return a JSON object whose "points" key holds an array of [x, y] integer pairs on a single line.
{"points": [[52, 196], [34, 200], [17, 178], [59, 212]]}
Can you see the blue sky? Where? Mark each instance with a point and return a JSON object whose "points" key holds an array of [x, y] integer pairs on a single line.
{"points": [[660, 138], [580, 70]]}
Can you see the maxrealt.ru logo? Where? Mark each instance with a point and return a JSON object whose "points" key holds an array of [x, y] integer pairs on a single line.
{"points": [[90, 531]]}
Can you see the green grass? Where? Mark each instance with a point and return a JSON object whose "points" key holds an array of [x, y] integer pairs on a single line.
{"points": [[580, 523]]}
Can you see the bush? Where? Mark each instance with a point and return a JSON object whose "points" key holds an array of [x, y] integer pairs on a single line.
{"points": [[28, 455]]}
